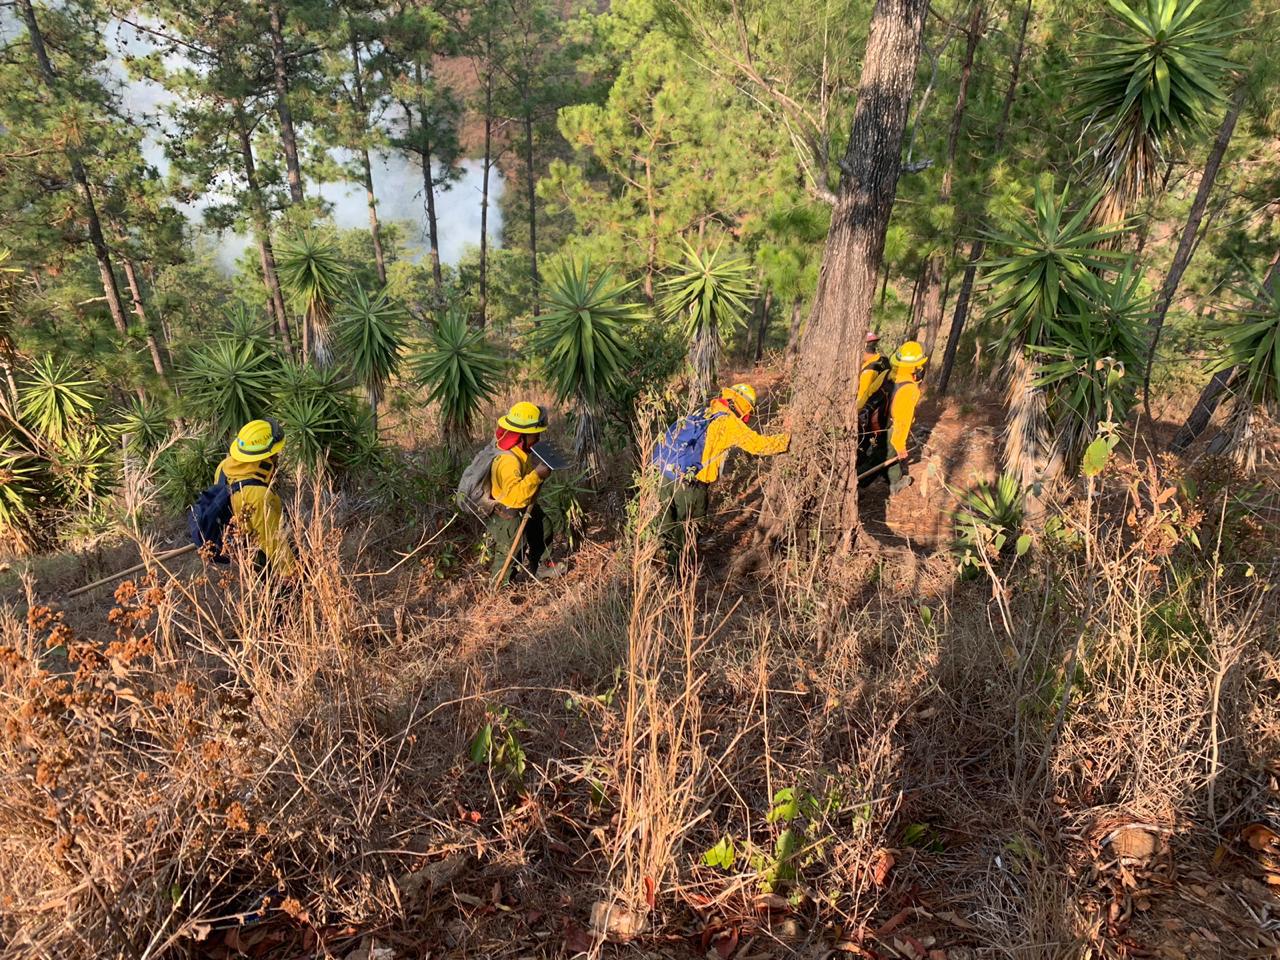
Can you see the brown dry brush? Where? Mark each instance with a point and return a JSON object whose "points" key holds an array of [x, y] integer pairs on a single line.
{"points": [[956, 752]]}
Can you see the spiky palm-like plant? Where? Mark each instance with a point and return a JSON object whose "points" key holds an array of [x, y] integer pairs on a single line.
{"points": [[460, 369], [145, 423], [313, 276], [1154, 81], [371, 332], [1048, 271], [229, 383], [709, 296], [19, 493], [248, 325], [581, 343], [1252, 349], [54, 398]]}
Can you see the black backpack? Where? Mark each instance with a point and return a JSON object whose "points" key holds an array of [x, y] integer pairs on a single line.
{"points": [[208, 517]]}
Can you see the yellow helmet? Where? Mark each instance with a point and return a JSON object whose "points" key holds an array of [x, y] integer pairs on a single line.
{"points": [[524, 417], [909, 355], [742, 396], [258, 440]]}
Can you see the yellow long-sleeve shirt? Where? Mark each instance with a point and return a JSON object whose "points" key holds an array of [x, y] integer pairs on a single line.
{"points": [[514, 481], [259, 510], [902, 411], [875, 367], [727, 432]]}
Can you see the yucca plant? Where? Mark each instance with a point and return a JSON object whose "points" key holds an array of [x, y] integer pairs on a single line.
{"points": [[1154, 81], [371, 332], [186, 467], [54, 399], [317, 410], [247, 325], [313, 276], [1252, 349], [145, 424], [20, 486], [84, 468], [986, 518], [230, 383], [1047, 274], [709, 297], [460, 369], [581, 344]]}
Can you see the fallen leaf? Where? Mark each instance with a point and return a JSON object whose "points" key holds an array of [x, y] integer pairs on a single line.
{"points": [[771, 901], [893, 923], [881, 863], [577, 940], [1261, 837], [1132, 842], [650, 892], [726, 944], [616, 922]]}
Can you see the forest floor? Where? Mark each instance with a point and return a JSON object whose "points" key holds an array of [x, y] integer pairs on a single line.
{"points": [[951, 826]]}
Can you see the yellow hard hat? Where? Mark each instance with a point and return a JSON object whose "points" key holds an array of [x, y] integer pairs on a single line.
{"points": [[258, 440], [741, 395], [910, 354], [524, 417]]}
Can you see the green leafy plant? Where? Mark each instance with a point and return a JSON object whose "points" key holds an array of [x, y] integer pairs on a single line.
{"points": [[581, 342], [723, 855], [20, 485], [1154, 81], [371, 333], [54, 399], [709, 297], [186, 467], [145, 423], [985, 520], [84, 467], [460, 368], [248, 326], [497, 746], [313, 276], [562, 497], [230, 383], [1252, 351]]}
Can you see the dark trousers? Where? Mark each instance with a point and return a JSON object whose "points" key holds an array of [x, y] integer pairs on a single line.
{"points": [[537, 537], [684, 505]]}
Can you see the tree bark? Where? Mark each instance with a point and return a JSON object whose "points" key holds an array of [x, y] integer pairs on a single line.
{"points": [[978, 247], [428, 181], [140, 311], [932, 307], [762, 331], [110, 288], [484, 185], [533, 209], [262, 227], [288, 136], [1187, 245], [375, 228], [1218, 387], [817, 479]]}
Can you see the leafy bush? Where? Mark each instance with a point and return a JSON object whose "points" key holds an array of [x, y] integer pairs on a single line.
{"points": [[988, 515]]}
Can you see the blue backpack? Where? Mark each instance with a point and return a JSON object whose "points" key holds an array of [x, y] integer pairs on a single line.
{"points": [[208, 517], [679, 453]]}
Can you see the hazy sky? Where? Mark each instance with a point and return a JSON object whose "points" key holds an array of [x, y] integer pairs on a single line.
{"points": [[397, 180]]}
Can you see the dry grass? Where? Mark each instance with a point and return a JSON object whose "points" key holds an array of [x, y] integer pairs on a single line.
{"points": [[245, 767]]}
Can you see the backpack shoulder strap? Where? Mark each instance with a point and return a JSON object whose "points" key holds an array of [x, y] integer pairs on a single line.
{"points": [[239, 485]]}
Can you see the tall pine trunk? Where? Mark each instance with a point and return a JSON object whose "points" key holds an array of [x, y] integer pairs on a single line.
{"points": [[533, 209], [978, 247], [1187, 245], [817, 479], [110, 288], [140, 311], [375, 228], [484, 184], [262, 227], [428, 181], [932, 311], [762, 332], [288, 136]]}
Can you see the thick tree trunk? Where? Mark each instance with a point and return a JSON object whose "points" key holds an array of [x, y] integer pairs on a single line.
{"points": [[533, 210], [1216, 389], [1187, 245], [818, 479], [428, 182], [110, 288], [932, 312], [978, 247], [288, 136], [484, 186], [140, 311], [262, 227], [762, 331], [375, 228]]}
